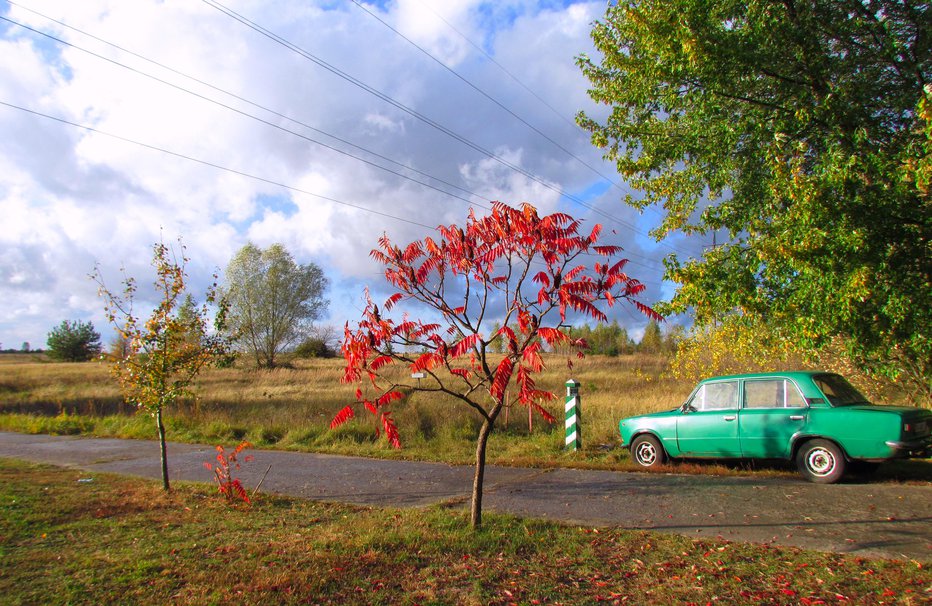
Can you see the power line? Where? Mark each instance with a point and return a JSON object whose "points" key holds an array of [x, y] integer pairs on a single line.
{"points": [[264, 108], [520, 83], [263, 121], [230, 170], [504, 70], [211, 164], [239, 98], [419, 116], [484, 93]]}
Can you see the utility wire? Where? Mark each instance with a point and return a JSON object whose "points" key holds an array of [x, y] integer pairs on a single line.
{"points": [[251, 116], [233, 170], [504, 70], [419, 116], [210, 164], [529, 90], [266, 122], [247, 101], [177, 87], [495, 101]]}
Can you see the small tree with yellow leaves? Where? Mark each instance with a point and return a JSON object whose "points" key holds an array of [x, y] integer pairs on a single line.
{"points": [[161, 360]]}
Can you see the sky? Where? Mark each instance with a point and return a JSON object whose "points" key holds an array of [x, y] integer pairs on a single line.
{"points": [[319, 125]]}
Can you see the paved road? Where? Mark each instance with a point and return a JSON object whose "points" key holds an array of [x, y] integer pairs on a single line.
{"points": [[870, 519]]}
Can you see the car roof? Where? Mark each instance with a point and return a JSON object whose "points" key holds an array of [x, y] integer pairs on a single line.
{"points": [[790, 374]]}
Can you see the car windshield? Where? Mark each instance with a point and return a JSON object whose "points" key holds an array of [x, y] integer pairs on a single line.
{"points": [[838, 391]]}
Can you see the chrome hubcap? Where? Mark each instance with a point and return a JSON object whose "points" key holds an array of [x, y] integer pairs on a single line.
{"points": [[645, 453], [820, 461]]}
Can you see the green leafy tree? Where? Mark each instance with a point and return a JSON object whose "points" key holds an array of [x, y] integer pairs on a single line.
{"points": [[273, 300], [165, 353], [652, 340], [800, 128], [73, 341]]}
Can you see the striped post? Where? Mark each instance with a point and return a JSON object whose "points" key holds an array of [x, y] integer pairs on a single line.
{"points": [[573, 430]]}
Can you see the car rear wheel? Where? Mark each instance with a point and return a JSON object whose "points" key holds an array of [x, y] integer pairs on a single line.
{"points": [[821, 461], [647, 452]]}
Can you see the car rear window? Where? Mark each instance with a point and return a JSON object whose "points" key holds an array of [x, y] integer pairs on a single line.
{"points": [[772, 393], [838, 391]]}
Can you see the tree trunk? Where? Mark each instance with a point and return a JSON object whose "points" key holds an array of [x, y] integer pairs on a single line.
{"points": [[161, 426], [476, 510]]}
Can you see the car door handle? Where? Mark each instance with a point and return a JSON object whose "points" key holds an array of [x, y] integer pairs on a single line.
{"points": [[796, 417], [730, 417]]}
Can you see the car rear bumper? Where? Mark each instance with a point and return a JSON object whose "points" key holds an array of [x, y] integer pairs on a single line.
{"points": [[920, 447]]}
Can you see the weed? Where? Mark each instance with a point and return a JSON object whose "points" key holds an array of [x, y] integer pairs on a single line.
{"points": [[229, 487]]}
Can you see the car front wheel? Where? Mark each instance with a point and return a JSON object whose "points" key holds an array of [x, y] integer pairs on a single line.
{"points": [[647, 452], [821, 461]]}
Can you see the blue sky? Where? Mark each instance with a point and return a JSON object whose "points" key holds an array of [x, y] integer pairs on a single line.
{"points": [[205, 129]]}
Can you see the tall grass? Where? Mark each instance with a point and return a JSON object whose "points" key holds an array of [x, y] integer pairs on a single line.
{"points": [[291, 408]]}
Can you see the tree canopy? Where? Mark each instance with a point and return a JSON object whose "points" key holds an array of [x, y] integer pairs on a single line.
{"points": [[533, 271], [272, 300], [801, 129], [73, 341], [160, 358]]}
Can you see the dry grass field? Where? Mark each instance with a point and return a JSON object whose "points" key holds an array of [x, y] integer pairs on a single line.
{"points": [[292, 407]]}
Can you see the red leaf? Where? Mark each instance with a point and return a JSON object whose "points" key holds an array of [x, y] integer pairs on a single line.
{"points": [[552, 335], [502, 377], [507, 332], [647, 311], [390, 302], [543, 412], [464, 345], [596, 230], [607, 251], [389, 397], [427, 361], [342, 417], [532, 358], [391, 432], [380, 362]]}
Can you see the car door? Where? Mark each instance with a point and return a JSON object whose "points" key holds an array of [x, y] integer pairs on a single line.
{"points": [[708, 424], [772, 411]]}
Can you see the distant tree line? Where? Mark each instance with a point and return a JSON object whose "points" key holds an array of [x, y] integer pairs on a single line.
{"points": [[24, 348], [270, 304], [613, 339]]}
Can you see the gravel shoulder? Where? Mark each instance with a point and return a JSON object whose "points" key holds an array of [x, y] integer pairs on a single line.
{"points": [[884, 520]]}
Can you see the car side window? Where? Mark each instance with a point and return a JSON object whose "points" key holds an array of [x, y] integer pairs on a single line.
{"points": [[715, 396], [772, 393]]}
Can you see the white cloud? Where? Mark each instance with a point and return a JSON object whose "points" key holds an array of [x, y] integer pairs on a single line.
{"points": [[73, 198]]}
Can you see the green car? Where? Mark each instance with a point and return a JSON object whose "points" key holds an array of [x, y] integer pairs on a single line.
{"points": [[815, 418]]}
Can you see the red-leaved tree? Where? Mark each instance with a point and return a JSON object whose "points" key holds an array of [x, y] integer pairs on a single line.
{"points": [[512, 266]]}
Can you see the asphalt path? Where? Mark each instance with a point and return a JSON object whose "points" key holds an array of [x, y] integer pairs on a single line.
{"points": [[886, 520]]}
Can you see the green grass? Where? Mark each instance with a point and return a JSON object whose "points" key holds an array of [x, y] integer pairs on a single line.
{"points": [[69, 537]]}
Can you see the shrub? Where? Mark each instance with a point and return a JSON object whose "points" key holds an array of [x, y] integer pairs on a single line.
{"points": [[314, 347]]}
